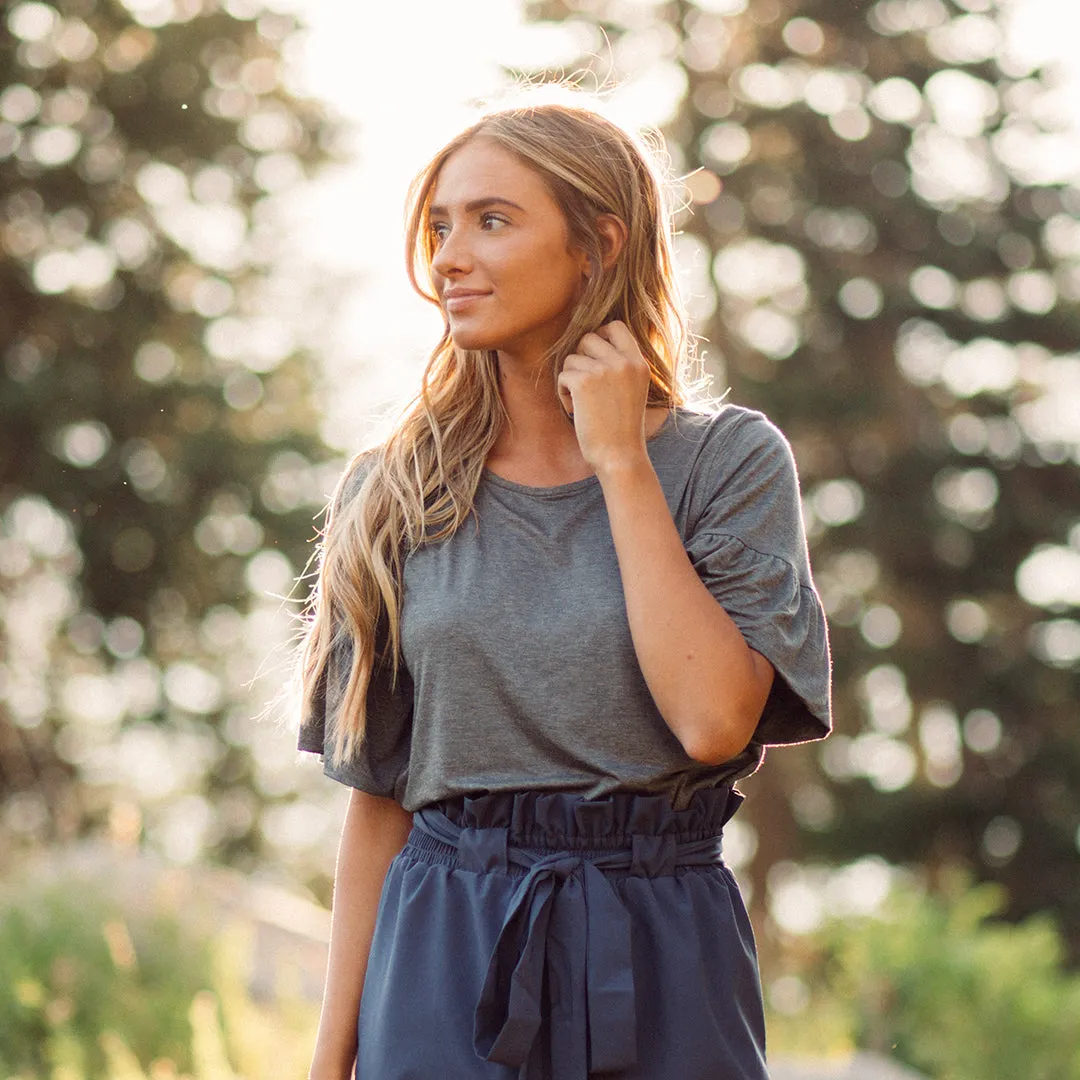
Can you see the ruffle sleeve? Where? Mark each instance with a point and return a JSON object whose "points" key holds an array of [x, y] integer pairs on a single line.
{"points": [[380, 764], [748, 545]]}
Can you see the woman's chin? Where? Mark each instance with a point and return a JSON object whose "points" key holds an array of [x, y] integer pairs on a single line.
{"points": [[471, 340]]}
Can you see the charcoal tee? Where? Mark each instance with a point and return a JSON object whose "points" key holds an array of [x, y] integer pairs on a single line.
{"points": [[519, 667]]}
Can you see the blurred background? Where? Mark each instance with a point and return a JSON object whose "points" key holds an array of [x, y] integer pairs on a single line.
{"points": [[204, 311]]}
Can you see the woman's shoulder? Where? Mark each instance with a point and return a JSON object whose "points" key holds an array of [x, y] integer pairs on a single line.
{"points": [[356, 471], [730, 430]]}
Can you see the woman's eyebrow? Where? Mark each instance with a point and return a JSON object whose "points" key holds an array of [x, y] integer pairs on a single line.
{"points": [[479, 204]]}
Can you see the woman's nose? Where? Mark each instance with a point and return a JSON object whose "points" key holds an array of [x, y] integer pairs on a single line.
{"points": [[451, 255]]}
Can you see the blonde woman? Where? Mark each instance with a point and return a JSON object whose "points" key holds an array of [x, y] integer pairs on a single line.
{"points": [[559, 613]]}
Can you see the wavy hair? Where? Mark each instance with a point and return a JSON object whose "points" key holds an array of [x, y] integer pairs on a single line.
{"points": [[419, 486]]}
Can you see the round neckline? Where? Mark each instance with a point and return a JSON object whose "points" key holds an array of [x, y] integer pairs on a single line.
{"points": [[556, 490]]}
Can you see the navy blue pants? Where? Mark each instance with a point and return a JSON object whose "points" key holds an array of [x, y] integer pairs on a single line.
{"points": [[543, 936]]}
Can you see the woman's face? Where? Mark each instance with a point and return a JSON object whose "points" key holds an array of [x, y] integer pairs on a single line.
{"points": [[503, 269]]}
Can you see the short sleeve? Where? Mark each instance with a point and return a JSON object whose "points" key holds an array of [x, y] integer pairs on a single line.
{"points": [[380, 764], [748, 545]]}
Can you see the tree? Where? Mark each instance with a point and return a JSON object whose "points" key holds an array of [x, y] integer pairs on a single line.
{"points": [[886, 261], [159, 456]]}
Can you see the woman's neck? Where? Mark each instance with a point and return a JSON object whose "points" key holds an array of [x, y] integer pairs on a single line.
{"points": [[539, 426]]}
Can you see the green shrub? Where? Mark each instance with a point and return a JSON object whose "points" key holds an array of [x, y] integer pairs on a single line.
{"points": [[943, 985], [74, 965], [95, 989]]}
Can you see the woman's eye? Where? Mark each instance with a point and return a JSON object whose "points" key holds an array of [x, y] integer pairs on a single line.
{"points": [[440, 229]]}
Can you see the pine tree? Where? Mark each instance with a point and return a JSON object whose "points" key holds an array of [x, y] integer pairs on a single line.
{"points": [[159, 456], [886, 262]]}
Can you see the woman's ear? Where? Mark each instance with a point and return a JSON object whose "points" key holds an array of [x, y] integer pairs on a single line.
{"points": [[613, 234]]}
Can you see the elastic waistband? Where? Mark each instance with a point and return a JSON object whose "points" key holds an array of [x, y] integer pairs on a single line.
{"points": [[566, 820]]}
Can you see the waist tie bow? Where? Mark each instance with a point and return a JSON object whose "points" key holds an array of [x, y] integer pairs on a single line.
{"points": [[586, 918]]}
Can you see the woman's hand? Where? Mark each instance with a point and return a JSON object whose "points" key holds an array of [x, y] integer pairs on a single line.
{"points": [[604, 386]]}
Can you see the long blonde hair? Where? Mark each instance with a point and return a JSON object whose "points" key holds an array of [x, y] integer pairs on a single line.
{"points": [[419, 486]]}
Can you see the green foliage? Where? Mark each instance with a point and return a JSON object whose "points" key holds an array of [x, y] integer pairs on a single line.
{"points": [[159, 448], [92, 989], [73, 964], [941, 984]]}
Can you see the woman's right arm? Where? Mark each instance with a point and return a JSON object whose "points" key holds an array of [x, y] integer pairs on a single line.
{"points": [[375, 830]]}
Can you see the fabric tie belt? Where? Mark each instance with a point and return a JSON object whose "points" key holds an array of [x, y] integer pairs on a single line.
{"points": [[554, 909]]}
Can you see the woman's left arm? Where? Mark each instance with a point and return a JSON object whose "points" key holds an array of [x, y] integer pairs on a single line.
{"points": [[708, 684]]}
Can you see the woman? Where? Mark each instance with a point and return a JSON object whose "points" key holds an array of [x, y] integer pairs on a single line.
{"points": [[542, 712]]}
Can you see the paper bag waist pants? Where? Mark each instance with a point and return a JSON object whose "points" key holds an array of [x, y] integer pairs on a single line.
{"points": [[544, 936]]}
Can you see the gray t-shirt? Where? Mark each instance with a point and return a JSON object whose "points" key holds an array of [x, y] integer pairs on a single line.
{"points": [[520, 671]]}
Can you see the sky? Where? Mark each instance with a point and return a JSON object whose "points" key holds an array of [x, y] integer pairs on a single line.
{"points": [[406, 74]]}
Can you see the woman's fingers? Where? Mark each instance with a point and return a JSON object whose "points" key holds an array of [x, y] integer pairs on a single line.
{"points": [[594, 345], [618, 335]]}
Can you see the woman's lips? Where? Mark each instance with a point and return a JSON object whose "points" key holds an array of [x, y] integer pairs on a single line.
{"points": [[462, 300]]}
